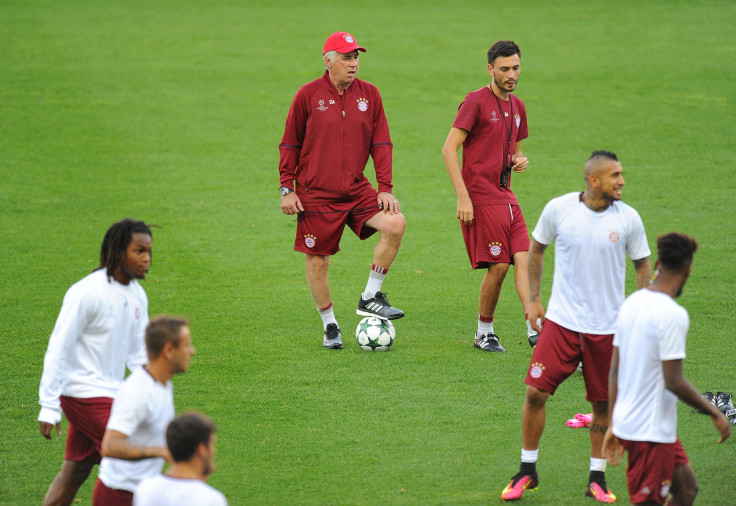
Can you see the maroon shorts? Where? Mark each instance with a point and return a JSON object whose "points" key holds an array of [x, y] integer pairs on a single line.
{"points": [[319, 228], [558, 353], [497, 233], [87, 423], [651, 467], [103, 495]]}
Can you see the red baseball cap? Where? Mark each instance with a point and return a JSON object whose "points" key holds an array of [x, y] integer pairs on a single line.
{"points": [[342, 42]]}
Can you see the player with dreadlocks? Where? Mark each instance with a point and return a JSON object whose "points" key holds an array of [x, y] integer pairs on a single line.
{"points": [[99, 331]]}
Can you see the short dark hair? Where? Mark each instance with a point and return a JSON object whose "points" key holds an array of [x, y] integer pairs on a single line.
{"points": [[186, 432], [502, 48], [676, 250], [161, 330], [602, 153], [116, 241]]}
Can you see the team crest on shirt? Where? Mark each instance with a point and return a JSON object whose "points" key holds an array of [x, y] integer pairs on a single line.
{"points": [[614, 235], [363, 104], [137, 313], [310, 241], [536, 370], [665, 488], [494, 249], [517, 118], [321, 106]]}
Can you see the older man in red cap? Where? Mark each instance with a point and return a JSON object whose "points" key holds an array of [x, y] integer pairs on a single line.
{"points": [[335, 123]]}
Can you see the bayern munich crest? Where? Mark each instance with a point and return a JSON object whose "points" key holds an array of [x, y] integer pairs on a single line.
{"points": [[137, 313], [614, 236], [494, 249], [363, 104], [310, 241], [349, 39], [536, 370]]}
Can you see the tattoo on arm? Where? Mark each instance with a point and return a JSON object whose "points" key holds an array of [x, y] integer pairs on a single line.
{"points": [[595, 427]]}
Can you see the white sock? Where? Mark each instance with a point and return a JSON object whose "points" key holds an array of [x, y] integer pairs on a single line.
{"points": [[529, 455], [328, 316], [375, 280], [484, 327], [597, 464]]}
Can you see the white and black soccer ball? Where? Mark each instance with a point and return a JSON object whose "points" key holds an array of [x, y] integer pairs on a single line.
{"points": [[375, 334]]}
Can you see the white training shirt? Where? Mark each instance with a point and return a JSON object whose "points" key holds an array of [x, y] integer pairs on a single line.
{"points": [[652, 328], [100, 327], [164, 490], [590, 260], [142, 409]]}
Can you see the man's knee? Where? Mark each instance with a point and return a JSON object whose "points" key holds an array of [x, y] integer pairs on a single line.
{"points": [[76, 472], [393, 226], [535, 397]]}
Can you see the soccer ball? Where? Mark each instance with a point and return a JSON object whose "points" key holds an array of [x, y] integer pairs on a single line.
{"points": [[375, 334]]}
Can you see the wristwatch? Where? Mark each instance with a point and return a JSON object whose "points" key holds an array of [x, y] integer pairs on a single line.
{"points": [[285, 191]]}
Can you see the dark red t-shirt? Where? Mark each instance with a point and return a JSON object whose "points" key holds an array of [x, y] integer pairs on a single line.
{"points": [[487, 145], [328, 139]]}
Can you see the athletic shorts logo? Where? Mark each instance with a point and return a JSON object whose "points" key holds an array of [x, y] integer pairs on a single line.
{"points": [[665, 488], [322, 106], [137, 313], [536, 370], [494, 249], [614, 236], [517, 118], [363, 104], [310, 241]]}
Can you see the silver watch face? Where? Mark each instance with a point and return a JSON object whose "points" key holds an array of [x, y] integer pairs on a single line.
{"points": [[285, 191]]}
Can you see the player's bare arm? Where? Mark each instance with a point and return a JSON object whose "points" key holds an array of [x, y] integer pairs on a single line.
{"points": [[388, 203], [290, 204], [117, 445], [677, 383], [455, 139], [521, 163], [536, 266], [643, 272], [612, 448]]}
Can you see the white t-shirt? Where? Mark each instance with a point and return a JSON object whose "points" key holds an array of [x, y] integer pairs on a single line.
{"points": [[164, 490], [100, 327], [142, 410], [652, 328], [590, 260]]}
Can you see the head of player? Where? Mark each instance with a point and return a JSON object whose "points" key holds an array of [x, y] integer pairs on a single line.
{"points": [[191, 441], [672, 268], [169, 345], [126, 250], [504, 66], [604, 179], [340, 54]]}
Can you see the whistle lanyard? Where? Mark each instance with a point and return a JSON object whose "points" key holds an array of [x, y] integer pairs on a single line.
{"points": [[511, 123]]}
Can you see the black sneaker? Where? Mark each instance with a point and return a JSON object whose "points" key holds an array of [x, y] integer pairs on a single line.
{"points": [[724, 401], [333, 337], [488, 342], [533, 338], [378, 306]]}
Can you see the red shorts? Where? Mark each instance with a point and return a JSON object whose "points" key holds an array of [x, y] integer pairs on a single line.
{"points": [[87, 423], [558, 353], [103, 495], [319, 228], [497, 233], [651, 467]]}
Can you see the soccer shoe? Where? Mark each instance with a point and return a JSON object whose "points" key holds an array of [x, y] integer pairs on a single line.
{"points": [[519, 483], [575, 424], [333, 338], [488, 342], [709, 397], [586, 419], [533, 338], [378, 306], [724, 401], [600, 493]]}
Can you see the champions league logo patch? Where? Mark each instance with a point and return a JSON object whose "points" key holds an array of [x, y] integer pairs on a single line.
{"points": [[536, 370], [494, 249], [321, 106], [363, 104], [494, 118], [517, 118], [614, 236], [310, 241]]}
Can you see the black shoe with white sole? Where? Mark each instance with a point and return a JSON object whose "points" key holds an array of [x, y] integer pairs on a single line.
{"points": [[378, 306], [333, 337]]}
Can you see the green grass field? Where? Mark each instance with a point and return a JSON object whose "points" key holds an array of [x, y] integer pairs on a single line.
{"points": [[172, 111]]}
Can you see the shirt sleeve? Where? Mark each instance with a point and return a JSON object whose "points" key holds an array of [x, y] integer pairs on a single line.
{"points": [[637, 245], [291, 143], [467, 115], [75, 314], [523, 129], [130, 407], [675, 326], [381, 147], [137, 353], [546, 229]]}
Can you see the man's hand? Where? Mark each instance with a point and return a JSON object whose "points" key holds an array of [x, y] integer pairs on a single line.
{"points": [[520, 164], [465, 210], [536, 313], [612, 448], [388, 203], [290, 204], [46, 429], [722, 425]]}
